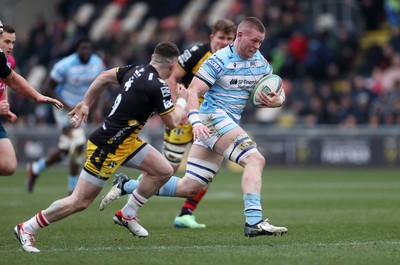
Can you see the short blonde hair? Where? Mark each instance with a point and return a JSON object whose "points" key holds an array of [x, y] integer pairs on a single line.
{"points": [[251, 22]]}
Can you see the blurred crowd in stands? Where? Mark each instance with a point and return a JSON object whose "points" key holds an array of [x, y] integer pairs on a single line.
{"points": [[340, 60]]}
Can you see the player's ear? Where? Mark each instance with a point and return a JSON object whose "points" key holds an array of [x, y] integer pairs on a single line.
{"points": [[239, 35]]}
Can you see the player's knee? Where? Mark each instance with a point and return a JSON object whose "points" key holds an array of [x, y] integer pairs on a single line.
{"points": [[8, 168], [169, 171], [189, 187], [81, 205], [165, 172], [254, 160], [258, 159], [7, 171]]}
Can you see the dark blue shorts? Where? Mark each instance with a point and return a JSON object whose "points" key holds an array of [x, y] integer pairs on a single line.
{"points": [[3, 133]]}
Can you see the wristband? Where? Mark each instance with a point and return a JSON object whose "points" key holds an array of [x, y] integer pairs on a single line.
{"points": [[194, 118], [181, 102]]}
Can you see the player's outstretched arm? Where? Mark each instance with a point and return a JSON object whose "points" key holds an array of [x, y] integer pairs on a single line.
{"points": [[20, 85], [81, 110]]}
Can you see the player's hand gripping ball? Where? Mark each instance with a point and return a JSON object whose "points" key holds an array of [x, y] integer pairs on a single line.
{"points": [[266, 84]]}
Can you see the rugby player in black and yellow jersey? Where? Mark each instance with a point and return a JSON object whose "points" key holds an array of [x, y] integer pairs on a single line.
{"points": [[8, 161], [176, 140], [142, 92]]}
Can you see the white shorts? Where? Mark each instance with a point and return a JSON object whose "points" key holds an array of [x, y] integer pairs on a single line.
{"points": [[219, 123]]}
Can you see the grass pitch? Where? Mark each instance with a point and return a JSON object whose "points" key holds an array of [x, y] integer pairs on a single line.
{"points": [[334, 216]]}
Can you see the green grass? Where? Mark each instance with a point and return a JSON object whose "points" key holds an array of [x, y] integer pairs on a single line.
{"points": [[334, 216]]}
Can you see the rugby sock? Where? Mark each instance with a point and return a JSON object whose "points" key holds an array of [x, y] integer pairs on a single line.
{"points": [[169, 188], [130, 186], [39, 166], [72, 181], [134, 203], [191, 204], [35, 223], [252, 208]]}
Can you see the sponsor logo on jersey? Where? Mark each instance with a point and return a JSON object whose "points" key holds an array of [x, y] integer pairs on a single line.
{"points": [[165, 91], [184, 57], [214, 65], [128, 83], [168, 103]]}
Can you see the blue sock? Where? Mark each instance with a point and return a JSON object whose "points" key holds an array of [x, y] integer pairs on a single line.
{"points": [[72, 181], [168, 190], [252, 208], [41, 165], [130, 186]]}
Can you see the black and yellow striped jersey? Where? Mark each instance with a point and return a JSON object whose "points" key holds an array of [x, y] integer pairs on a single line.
{"points": [[141, 94]]}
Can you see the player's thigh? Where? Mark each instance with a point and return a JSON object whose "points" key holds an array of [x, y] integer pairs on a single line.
{"points": [[155, 163], [202, 165], [204, 153], [227, 139], [8, 161]]}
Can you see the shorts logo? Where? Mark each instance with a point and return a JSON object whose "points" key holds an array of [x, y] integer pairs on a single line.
{"points": [[112, 164], [178, 131]]}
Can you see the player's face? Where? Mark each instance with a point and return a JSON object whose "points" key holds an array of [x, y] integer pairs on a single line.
{"points": [[220, 40], [7, 41], [249, 43], [85, 50]]}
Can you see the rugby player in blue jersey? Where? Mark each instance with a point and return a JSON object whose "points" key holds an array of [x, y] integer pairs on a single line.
{"points": [[226, 80], [68, 81]]}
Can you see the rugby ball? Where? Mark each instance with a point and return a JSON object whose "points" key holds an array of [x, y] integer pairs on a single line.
{"points": [[266, 84]]}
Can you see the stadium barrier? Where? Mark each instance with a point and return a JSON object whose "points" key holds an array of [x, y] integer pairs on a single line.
{"points": [[319, 145]]}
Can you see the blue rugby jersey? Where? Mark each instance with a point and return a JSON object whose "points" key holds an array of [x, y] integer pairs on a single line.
{"points": [[231, 80], [74, 77]]}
